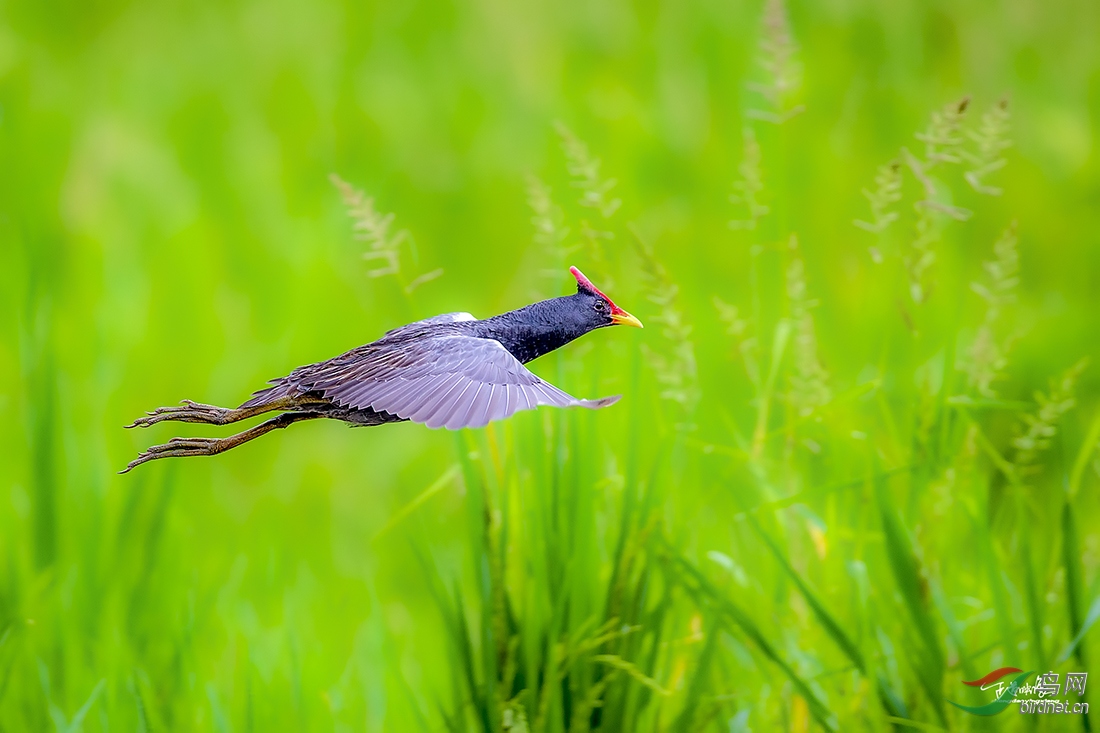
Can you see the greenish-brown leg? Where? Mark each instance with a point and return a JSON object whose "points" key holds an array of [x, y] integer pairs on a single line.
{"points": [[211, 414], [182, 447]]}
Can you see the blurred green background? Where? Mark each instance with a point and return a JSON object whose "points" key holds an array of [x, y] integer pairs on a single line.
{"points": [[814, 507]]}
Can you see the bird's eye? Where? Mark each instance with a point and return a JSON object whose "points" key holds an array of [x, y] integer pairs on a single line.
{"points": [[601, 306]]}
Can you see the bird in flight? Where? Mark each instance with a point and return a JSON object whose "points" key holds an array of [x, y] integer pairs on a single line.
{"points": [[451, 371]]}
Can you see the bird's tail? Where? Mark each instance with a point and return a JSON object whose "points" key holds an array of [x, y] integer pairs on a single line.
{"points": [[288, 387], [267, 395]]}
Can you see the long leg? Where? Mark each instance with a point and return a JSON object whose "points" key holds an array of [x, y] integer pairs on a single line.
{"points": [[180, 447], [212, 414]]}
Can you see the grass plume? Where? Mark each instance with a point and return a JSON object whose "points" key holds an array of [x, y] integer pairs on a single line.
{"points": [[1040, 427], [943, 146], [808, 380], [547, 218], [376, 230], [988, 354], [674, 363], [750, 184], [584, 168], [886, 193], [990, 140], [777, 59]]}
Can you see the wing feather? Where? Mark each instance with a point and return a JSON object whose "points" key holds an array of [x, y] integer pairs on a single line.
{"points": [[450, 380], [448, 405], [499, 408], [458, 413], [523, 400], [443, 403], [407, 395], [479, 413], [387, 391], [418, 396], [466, 419]]}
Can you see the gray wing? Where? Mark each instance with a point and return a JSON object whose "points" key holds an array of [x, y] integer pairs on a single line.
{"points": [[448, 381]]}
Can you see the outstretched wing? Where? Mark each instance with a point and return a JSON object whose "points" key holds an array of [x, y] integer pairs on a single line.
{"points": [[448, 381]]}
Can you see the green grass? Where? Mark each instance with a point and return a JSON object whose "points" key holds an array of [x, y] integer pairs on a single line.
{"points": [[855, 460]]}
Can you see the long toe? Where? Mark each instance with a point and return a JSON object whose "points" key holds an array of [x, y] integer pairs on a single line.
{"points": [[176, 448], [207, 444], [189, 412]]}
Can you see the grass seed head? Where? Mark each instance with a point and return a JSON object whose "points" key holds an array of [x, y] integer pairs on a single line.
{"points": [[376, 229], [1040, 427], [808, 381], [990, 140], [777, 57], [886, 193], [988, 354], [942, 138], [749, 184], [585, 170]]}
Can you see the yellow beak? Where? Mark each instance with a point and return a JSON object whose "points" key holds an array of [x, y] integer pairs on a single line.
{"points": [[622, 318]]}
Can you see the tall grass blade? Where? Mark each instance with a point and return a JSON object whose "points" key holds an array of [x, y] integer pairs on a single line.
{"points": [[827, 620], [911, 584], [1090, 619], [703, 591]]}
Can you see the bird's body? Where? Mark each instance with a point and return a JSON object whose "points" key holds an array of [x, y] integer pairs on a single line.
{"points": [[450, 371]]}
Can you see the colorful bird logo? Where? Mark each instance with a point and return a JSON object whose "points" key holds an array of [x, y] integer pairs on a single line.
{"points": [[1004, 699]]}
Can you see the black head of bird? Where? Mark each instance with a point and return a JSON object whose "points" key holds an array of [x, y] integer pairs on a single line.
{"points": [[452, 371], [542, 327]]}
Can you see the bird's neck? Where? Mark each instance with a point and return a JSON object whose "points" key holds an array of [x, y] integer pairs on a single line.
{"points": [[533, 330]]}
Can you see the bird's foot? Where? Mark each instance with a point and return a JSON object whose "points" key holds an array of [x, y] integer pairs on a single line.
{"points": [[189, 411], [178, 448], [181, 447]]}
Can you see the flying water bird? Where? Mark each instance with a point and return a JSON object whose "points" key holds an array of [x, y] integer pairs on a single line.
{"points": [[451, 371]]}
